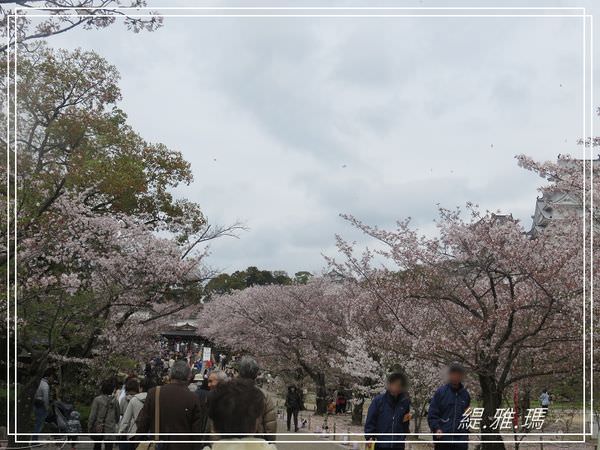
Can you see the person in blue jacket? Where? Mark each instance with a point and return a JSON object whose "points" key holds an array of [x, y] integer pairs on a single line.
{"points": [[446, 410], [389, 412]]}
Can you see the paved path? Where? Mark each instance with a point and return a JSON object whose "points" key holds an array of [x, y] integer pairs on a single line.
{"points": [[324, 444], [303, 441]]}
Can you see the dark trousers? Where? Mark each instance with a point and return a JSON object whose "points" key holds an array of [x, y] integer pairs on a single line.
{"points": [[450, 446], [98, 443], [395, 445], [290, 412], [127, 445], [40, 418]]}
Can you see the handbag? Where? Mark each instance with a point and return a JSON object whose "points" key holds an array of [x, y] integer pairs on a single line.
{"points": [[153, 445]]}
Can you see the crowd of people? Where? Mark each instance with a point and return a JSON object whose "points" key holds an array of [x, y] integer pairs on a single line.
{"points": [[179, 386], [177, 400], [157, 368], [178, 403]]}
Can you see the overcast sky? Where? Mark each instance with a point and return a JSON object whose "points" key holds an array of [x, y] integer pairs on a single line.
{"points": [[289, 122]]}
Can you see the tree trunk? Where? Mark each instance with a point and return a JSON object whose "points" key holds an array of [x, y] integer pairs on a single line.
{"points": [[357, 412], [418, 421], [492, 400], [321, 393], [525, 404], [420, 412]]}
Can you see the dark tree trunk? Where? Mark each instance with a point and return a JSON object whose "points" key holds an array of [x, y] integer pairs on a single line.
{"points": [[492, 400], [321, 393], [525, 404], [357, 412]]}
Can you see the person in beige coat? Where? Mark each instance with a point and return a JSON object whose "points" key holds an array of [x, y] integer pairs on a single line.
{"points": [[127, 425], [267, 425], [237, 406]]}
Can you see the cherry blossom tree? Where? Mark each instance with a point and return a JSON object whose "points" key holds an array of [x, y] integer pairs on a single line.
{"points": [[371, 356], [366, 372], [482, 292], [91, 286], [578, 181], [105, 251], [300, 326]]}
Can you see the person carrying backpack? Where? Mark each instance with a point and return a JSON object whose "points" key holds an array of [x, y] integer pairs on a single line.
{"points": [[127, 426], [104, 416]]}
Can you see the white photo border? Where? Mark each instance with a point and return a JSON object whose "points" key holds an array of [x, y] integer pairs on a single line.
{"points": [[587, 109]]}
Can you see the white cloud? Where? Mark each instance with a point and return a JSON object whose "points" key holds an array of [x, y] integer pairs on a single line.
{"points": [[382, 118]]}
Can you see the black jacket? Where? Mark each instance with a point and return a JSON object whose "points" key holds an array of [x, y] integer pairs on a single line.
{"points": [[293, 400]]}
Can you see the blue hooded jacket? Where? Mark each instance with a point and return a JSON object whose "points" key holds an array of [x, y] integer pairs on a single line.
{"points": [[446, 410], [386, 415]]}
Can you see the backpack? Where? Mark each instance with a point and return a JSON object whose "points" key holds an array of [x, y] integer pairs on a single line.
{"points": [[110, 406]]}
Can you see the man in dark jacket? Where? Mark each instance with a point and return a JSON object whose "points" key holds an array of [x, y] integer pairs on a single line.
{"points": [[389, 413], [446, 410], [180, 411], [293, 405]]}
